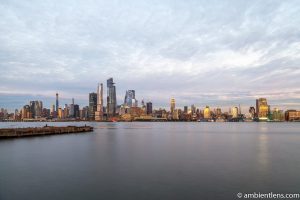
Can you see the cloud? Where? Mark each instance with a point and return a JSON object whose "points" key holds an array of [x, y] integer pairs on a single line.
{"points": [[196, 51]]}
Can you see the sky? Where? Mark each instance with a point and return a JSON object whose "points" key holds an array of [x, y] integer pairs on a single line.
{"points": [[217, 53]]}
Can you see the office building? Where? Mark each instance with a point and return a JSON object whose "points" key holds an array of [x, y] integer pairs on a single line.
{"points": [[252, 112], [292, 115], [99, 112], [36, 108], [172, 106], [234, 112], [111, 98], [149, 108], [76, 111], [207, 113], [277, 115], [57, 103], [185, 109], [92, 105], [262, 108], [130, 100]]}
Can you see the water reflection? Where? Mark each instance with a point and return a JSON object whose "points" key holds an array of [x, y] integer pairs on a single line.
{"points": [[263, 157]]}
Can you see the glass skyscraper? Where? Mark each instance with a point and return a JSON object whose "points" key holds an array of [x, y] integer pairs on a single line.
{"points": [[130, 98], [57, 103], [111, 98], [92, 105]]}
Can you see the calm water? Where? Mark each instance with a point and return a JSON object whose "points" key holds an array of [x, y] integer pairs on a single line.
{"points": [[152, 161]]}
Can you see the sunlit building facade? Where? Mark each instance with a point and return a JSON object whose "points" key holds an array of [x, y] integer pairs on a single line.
{"points": [[292, 115], [262, 108], [234, 112], [207, 113], [172, 105], [99, 111]]}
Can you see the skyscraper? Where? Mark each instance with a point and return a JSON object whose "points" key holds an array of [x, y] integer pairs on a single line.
{"points": [[57, 103], [99, 112], [207, 114], [172, 107], [36, 108], [234, 112], [111, 98], [185, 109], [262, 108], [252, 112], [92, 105], [130, 100], [76, 111], [149, 108]]}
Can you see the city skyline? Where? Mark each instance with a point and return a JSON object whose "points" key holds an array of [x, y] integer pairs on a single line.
{"points": [[17, 103], [202, 53], [97, 105]]}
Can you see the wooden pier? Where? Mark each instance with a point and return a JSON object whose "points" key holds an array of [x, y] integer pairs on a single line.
{"points": [[40, 131]]}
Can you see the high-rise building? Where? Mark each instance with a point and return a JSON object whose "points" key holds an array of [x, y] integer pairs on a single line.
{"points": [[175, 114], [277, 115], [99, 112], [60, 113], [111, 98], [84, 113], [252, 112], [66, 111], [172, 106], [76, 111], [235, 112], [53, 113], [130, 100], [262, 108], [149, 108], [218, 112], [36, 108], [206, 113], [25, 112], [185, 109], [193, 109], [71, 112], [92, 105], [57, 103]]}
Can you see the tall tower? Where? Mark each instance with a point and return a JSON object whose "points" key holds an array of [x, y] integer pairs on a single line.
{"points": [[149, 108], [99, 112], [92, 105], [111, 98], [172, 107], [57, 104]]}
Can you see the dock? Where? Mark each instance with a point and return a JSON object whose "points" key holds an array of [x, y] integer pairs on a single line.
{"points": [[40, 131]]}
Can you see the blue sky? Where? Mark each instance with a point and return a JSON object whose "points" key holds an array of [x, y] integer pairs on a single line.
{"points": [[219, 53]]}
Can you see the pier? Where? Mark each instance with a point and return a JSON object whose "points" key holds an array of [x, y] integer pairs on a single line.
{"points": [[40, 131]]}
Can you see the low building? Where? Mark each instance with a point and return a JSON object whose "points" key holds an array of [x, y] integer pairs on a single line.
{"points": [[292, 115]]}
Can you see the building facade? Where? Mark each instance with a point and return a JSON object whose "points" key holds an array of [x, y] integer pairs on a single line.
{"points": [[92, 105], [172, 105], [111, 98], [99, 111], [149, 108], [262, 108]]}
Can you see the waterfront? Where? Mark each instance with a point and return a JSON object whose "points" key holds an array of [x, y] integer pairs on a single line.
{"points": [[152, 161]]}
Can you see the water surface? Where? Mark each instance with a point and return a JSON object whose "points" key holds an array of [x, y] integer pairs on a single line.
{"points": [[152, 161]]}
